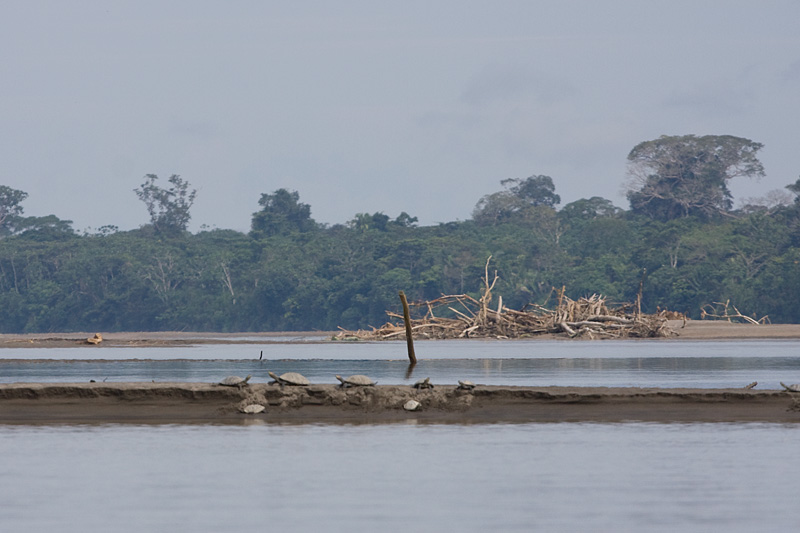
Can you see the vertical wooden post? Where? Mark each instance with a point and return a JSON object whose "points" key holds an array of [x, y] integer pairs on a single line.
{"points": [[639, 295], [412, 358]]}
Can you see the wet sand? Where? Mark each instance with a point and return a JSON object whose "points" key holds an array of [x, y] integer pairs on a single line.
{"points": [[186, 403]]}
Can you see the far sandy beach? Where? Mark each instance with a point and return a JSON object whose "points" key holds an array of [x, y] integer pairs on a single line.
{"points": [[690, 330]]}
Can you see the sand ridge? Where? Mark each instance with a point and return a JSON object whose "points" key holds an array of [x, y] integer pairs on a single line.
{"points": [[26, 403]]}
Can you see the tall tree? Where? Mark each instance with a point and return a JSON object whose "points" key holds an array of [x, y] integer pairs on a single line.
{"points": [[365, 222], [45, 228], [168, 208], [534, 190], [794, 188], [404, 220], [9, 205], [282, 213], [687, 175], [520, 196], [589, 209]]}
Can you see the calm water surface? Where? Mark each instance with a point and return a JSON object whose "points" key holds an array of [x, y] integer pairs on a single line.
{"points": [[538, 363], [548, 477]]}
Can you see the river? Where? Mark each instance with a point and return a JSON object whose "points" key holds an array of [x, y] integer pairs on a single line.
{"points": [[393, 477]]}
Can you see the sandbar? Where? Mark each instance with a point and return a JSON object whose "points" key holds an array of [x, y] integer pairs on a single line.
{"points": [[690, 330], [205, 403]]}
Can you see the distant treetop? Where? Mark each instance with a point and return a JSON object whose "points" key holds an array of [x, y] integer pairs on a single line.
{"points": [[687, 175]]}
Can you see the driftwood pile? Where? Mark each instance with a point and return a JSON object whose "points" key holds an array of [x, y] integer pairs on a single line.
{"points": [[719, 310], [469, 317]]}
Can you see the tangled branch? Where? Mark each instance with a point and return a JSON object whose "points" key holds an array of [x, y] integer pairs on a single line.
{"points": [[475, 318]]}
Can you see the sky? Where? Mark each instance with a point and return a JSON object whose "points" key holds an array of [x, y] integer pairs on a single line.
{"points": [[364, 106]]}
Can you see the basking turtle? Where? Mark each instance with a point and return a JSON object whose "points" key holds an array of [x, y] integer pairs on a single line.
{"points": [[252, 409], [791, 388], [97, 339], [289, 378], [356, 380], [423, 384], [412, 405], [466, 385], [235, 381]]}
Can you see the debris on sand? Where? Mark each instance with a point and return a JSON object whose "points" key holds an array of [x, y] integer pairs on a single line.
{"points": [[468, 317]]}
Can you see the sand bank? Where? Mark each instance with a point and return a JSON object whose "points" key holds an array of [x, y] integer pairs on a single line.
{"points": [[690, 330], [37, 403]]}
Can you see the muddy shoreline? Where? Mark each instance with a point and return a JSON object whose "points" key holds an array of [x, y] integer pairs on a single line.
{"points": [[186, 403]]}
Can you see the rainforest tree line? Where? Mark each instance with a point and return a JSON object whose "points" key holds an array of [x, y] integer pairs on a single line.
{"points": [[681, 235]]}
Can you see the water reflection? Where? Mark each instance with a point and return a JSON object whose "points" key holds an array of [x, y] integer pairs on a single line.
{"points": [[426, 350], [534, 363], [611, 372]]}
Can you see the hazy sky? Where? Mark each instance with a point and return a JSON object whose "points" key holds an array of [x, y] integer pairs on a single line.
{"points": [[417, 106]]}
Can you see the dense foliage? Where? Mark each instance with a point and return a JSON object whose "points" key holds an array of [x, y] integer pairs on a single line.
{"points": [[291, 273]]}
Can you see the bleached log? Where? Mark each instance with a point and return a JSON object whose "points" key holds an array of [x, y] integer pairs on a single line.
{"points": [[566, 328]]}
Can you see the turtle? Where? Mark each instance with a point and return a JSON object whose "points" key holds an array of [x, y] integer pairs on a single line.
{"points": [[289, 378], [235, 381], [423, 384], [412, 405], [791, 388], [356, 380], [466, 385], [97, 339], [252, 409]]}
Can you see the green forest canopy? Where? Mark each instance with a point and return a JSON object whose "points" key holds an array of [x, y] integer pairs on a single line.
{"points": [[291, 273]]}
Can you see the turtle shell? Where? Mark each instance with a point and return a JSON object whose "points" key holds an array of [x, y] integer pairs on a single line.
{"points": [[232, 381], [792, 388], [412, 405], [253, 409], [291, 378], [466, 385], [423, 384], [358, 380]]}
